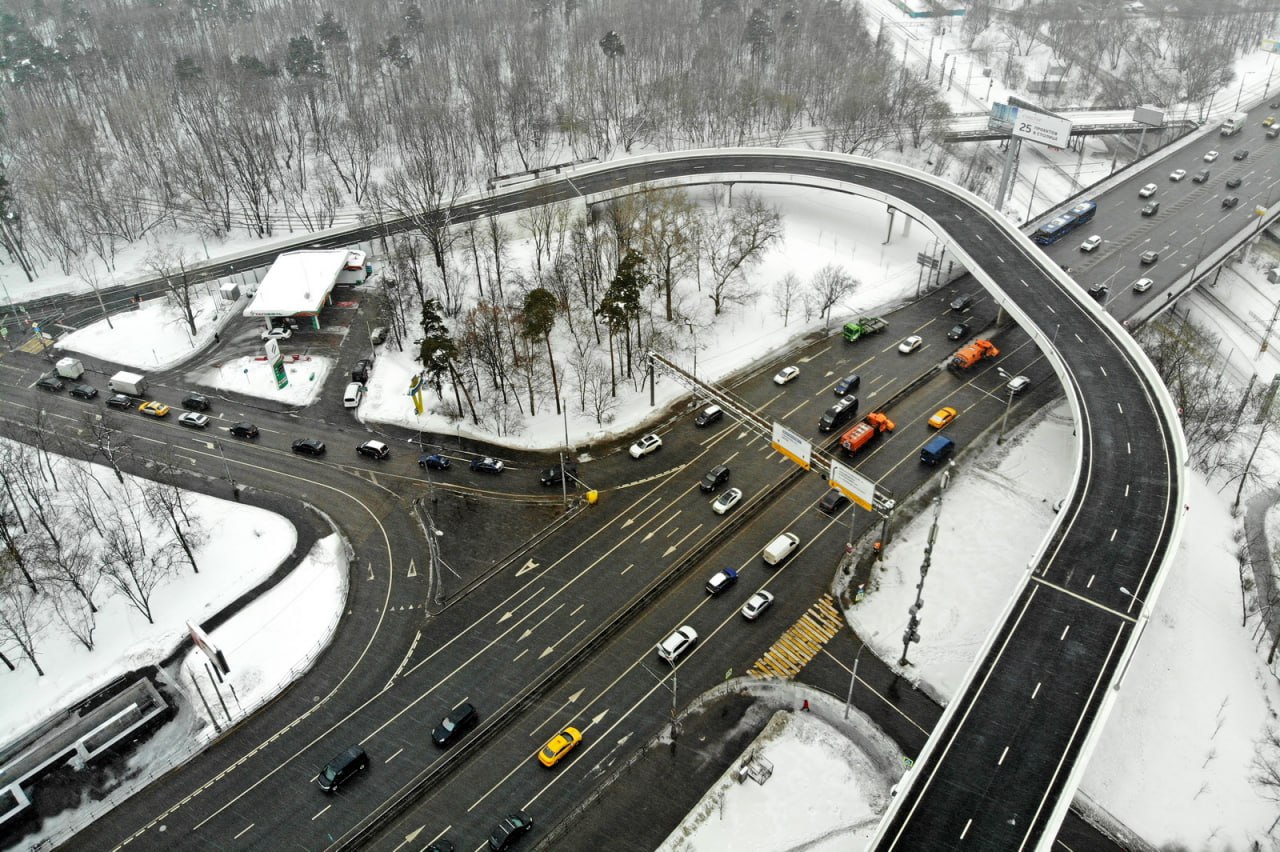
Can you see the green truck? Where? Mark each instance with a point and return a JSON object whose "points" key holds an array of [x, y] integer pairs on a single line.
{"points": [[862, 327]]}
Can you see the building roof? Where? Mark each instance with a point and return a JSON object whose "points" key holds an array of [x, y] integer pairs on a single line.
{"points": [[297, 283]]}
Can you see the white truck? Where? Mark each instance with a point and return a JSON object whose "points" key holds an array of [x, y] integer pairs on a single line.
{"points": [[69, 368], [1234, 123], [133, 384]]}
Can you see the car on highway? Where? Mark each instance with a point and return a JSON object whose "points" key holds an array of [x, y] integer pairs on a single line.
{"points": [[721, 580], [1234, 182], [1148, 257], [961, 303], [726, 501], [374, 450], [308, 446], [675, 645], [848, 384], [342, 769], [1177, 174], [756, 605], [451, 728], [84, 391], [1242, 154], [957, 331], [193, 420], [1018, 384], [942, 417], [154, 409], [1091, 243], [1201, 176], [1210, 156], [277, 333], [244, 429], [1142, 285], [648, 444], [1269, 120], [195, 402], [441, 845], [1230, 201], [1099, 292], [714, 478], [120, 401], [911, 344], [1274, 104], [708, 415], [50, 383], [1151, 208], [512, 828], [559, 746], [487, 464], [433, 461], [833, 501], [1147, 191], [786, 375], [559, 474]]}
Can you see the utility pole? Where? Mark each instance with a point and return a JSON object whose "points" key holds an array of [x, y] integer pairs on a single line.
{"points": [[911, 634]]}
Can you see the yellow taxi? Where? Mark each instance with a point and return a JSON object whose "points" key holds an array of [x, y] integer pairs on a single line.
{"points": [[942, 417], [559, 745], [1268, 121], [154, 409]]}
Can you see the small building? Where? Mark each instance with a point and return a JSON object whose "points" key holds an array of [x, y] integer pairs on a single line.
{"points": [[300, 283]]}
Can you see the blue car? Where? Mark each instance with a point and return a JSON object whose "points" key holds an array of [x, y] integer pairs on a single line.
{"points": [[433, 461]]}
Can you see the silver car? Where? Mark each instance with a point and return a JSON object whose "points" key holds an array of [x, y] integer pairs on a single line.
{"points": [[726, 501]]}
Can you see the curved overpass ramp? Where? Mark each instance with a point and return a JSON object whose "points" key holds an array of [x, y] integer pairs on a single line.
{"points": [[999, 770]]}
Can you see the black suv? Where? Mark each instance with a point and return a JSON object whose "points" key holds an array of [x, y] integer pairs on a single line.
{"points": [[452, 727], [195, 402], [360, 372], [554, 475], [120, 401], [84, 391], [715, 477], [244, 429], [708, 415]]}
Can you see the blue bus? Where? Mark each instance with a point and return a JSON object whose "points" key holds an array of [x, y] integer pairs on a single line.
{"points": [[1058, 227]]}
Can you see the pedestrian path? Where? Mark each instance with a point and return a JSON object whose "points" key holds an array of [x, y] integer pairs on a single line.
{"points": [[801, 642]]}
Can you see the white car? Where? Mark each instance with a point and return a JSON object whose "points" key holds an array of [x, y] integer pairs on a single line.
{"points": [[1091, 243], [726, 501], [1211, 156], [756, 604], [1177, 174], [1142, 285], [1018, 384], [1148, 190], [646, 445], [677, 643], [785, 375], [277, 334], [193, 419], [911, 344]]}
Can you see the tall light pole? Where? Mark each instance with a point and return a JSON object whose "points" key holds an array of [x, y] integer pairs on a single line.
{"points": [[853, 678], [1004, 419], [911, 634], [1240, 94]]}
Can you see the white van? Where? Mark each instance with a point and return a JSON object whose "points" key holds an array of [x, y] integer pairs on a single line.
{"points": [[780, 548], [351, 396]]}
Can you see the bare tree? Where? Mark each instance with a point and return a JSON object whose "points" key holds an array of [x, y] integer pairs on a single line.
{"points": [[784, 295], [829, 286], [168, 505], [732, 240], [174, 265], [128, 565], [23, 619]]}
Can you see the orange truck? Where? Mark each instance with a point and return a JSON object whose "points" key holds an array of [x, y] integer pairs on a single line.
{"points": [[864, 431], [969, 355]]}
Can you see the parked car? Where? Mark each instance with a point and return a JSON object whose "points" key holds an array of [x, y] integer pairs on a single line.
{"points": [[559, 746], [374, 450], [277, 333], [942, 417], [1177, 174], [1091, 243], [833, 501], [433, 461], [154, 409], [708, 415], [244, 429], [1142, 285], [911, 344], [195, 402], [721, 580], [487, 464], [726, 501], [451, 728], [512, 828], [1148, 257], [308, 446], [84, 391], [50, 383], [193, 420], [786, 375], [648, 444], [1147, 191], [1018, 384], [120, 401], [757, 604], [957, 331], [1211, 156]]}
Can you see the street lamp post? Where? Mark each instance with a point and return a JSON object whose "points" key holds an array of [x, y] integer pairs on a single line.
{"points": [[1240, 94], [853, 678], [911, 634], [1004, 419]]}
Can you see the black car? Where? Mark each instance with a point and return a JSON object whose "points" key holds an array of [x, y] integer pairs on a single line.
{"points": [[433, 461], [708, 415], [1233, 183], [511, 829], [833, 501], [487, 465], [1240, 155], [959, 330], [1201, 176], [848, 384], [1151, 208], [360, 372], [1230, 201], [715, 477], [50, 383], [244, 429], [374, 450], [961, 303], [452, 727], [84, 391], [1099, 292], [309, 446], [121, 401], [556, 475], [195, 402], [441, 845]]}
